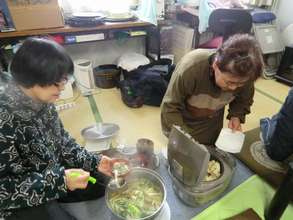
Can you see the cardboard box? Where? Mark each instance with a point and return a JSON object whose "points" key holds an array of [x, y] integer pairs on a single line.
{"points": [[7, 23], [35, 14]]}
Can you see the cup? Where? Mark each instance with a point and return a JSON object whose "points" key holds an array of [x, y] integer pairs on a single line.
{"points": [[145, 146], [230, 141]]}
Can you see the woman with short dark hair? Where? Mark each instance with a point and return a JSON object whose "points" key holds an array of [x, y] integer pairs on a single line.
{"points": [[40, 62], [37, 155]]}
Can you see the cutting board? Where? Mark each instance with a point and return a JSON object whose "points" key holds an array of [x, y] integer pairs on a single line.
{"points": [[253, 193]]}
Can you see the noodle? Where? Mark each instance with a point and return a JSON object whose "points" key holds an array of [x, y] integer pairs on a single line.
{"points": [[141, 198]]}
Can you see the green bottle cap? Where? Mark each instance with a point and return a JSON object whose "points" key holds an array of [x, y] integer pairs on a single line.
{"points": [[91, 179]]}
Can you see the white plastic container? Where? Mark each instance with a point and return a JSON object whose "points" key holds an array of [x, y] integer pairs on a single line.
{"points": [[230, 141]]}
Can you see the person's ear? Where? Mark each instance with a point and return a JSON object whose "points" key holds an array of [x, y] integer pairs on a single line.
{"points": [[214, 65]]}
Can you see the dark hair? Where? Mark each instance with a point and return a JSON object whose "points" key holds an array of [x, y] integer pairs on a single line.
{"points": [[40, 62], [240, 55]]}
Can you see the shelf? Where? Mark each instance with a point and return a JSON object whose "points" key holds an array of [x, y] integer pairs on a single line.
{"points": [[68, 29]]}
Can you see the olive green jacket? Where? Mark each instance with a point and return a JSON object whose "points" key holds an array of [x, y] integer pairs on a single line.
{"points": [[194, 102]]}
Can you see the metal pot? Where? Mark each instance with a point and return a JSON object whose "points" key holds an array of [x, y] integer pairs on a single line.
{"points": [[206, 191], [135, 174]]}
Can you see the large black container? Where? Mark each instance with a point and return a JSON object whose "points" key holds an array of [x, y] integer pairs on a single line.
{"points": [[282, 197], [285, 70], [106, 76]]}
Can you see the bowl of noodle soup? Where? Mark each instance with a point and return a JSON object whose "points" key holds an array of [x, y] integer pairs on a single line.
{"points": [[142, 197]]}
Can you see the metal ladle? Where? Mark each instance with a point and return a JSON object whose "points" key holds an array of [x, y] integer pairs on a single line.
{"points": [[117, 182]]}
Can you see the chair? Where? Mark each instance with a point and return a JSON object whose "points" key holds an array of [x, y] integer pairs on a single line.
{"points": [[224, 22]]}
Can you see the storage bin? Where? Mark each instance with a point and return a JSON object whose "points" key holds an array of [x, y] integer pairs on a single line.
{"points": [[107, 76]]}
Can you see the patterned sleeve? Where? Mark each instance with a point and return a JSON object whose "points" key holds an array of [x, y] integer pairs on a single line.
{"points": [[75, 156], [19, 186]]}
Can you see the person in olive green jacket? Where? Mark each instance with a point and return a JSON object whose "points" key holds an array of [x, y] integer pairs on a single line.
{"points": [[205, 81]]}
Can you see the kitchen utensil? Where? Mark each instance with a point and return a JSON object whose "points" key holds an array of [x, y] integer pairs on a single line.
{"points": [[88, 14], [99, 136], [230, 141], [120, 168], [117, 182], [139, 158], [134, 175], [144, 145], [188, 164], [100, 131], [188, 159], [118, 17]]}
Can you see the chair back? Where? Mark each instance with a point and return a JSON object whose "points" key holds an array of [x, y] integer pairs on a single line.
{"points": [[226, 21]]}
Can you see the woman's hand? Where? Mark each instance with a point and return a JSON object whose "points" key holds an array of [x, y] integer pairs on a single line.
{"points": [[235, 124], [76, 179], [106, 165]]}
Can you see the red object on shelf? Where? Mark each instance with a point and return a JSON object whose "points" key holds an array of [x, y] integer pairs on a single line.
{"points": [[57, 38]]}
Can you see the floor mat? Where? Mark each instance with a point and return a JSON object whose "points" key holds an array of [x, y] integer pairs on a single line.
{"points": [[240, 199]]}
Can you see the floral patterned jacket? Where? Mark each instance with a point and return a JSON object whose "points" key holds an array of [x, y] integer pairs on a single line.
{"points": [[34, 151]]}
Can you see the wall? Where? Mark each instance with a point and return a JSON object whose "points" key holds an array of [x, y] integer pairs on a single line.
{"points": [[106, 52], [284, 13]]}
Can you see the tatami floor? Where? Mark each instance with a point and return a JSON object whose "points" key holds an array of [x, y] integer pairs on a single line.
{"points": [[145, 121]]}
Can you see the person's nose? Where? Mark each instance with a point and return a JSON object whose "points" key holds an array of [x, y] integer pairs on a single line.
{"points": [[233, 87]]}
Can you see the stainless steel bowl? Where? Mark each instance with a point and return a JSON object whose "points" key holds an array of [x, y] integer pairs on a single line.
{"points": [[100, 131], [136, 173]]}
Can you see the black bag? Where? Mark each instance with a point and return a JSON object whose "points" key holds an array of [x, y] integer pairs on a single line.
{"points": [[146, 85], [163, 66], [128, 95]]}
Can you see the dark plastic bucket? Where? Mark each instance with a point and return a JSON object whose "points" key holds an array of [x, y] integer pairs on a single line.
{"points": [[106, 76]]}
